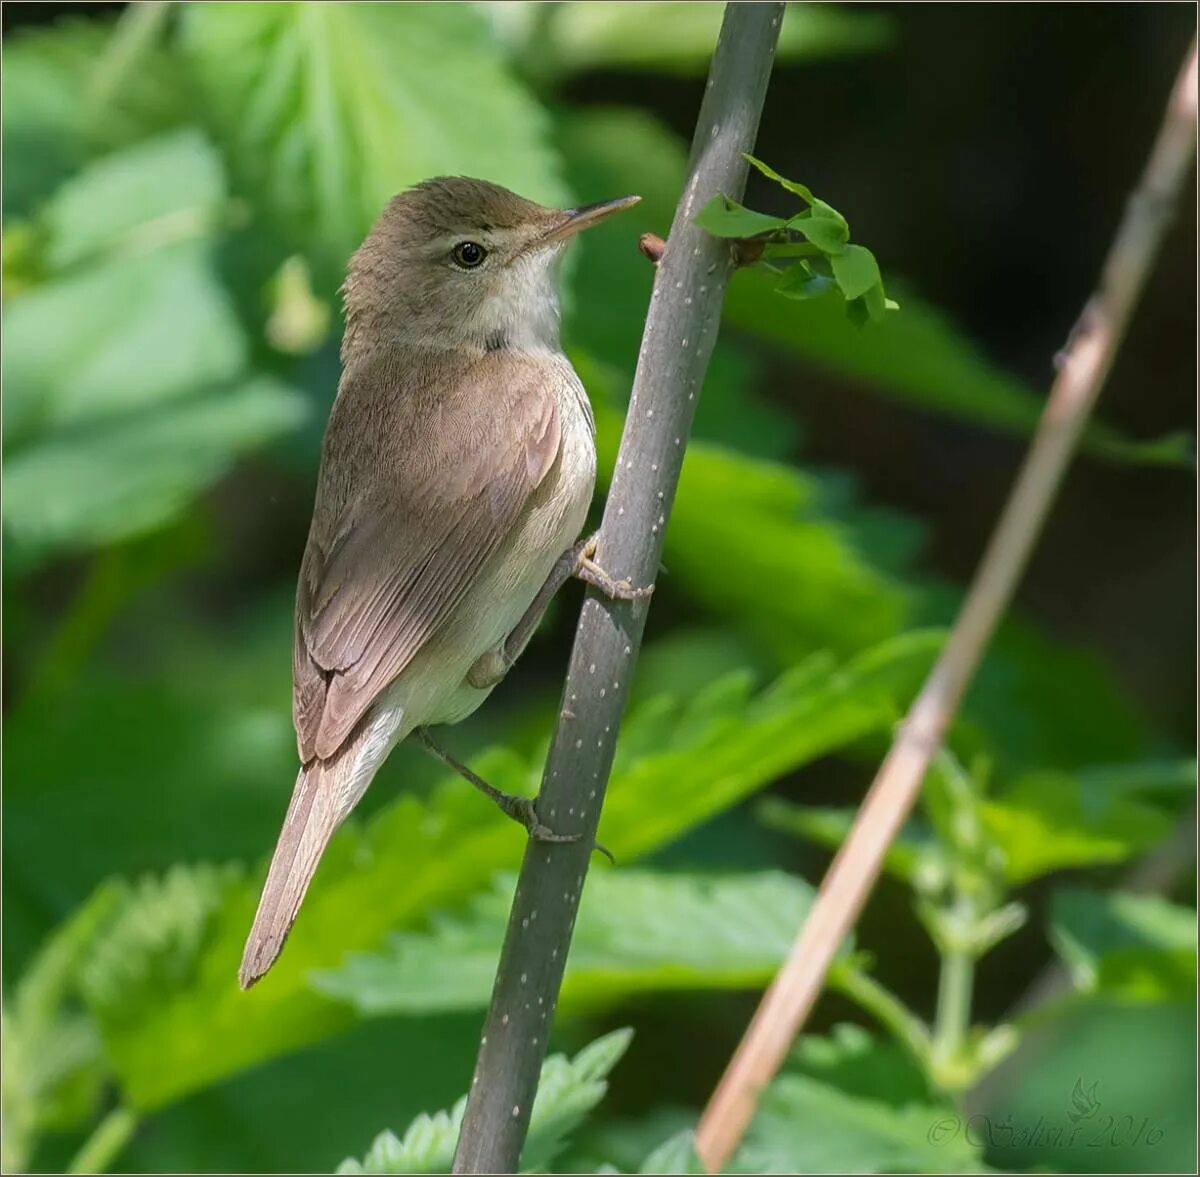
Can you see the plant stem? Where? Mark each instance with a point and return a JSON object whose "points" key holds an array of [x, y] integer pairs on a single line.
{"points": [[681, 328], [1084, 365], [952, 1022], [105, 1144], [885, 1007]]}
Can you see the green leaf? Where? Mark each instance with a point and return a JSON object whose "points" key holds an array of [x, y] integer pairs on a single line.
{"points": [[1049, 821], [675, 1155], [637, 932], [628, 151], [918, 358], [826, 233], [567, 1091], [799, 283], [792, 186], [679, 38], [164, 189], [768, 520], [53, 1067], [851, 1059], [415, 857], [114, 426], [328, 110], [1138, 1064], [856, 270], [95, 485], [53, 120], [850, 1105], [1125, 946], [724, 217], [915, 850], [152, 945]]}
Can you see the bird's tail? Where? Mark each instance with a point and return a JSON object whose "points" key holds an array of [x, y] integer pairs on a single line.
{"points": [[311, 819], [326, 791]]}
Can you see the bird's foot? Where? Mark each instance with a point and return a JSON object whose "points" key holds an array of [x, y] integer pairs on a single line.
{"points": [[587, 570]]}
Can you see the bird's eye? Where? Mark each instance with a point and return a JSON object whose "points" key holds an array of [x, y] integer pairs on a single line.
{"points": [[468, 254]]}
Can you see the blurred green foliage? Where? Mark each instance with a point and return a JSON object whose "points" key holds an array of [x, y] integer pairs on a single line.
{"points": [[182, 188]]}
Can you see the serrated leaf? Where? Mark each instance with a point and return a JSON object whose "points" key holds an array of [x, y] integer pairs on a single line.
{"points": [[113, 426], [53, 1065], [1048, 821], [725, 217], [415, 857], [1125, 946], [637, 932], [327, 111], [675, 1155], [912, 851], [803, 1126], [567, 1090]]}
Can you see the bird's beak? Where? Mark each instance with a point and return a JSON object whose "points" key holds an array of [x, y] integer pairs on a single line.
{"points": [[585, 216]]}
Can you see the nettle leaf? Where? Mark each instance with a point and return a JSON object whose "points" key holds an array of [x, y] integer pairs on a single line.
{"points": [[677, 1154], [53, 1063], [164, 189], [913, 851], [327, 111], [725, 217], [418, 856], [851, 1106], [92, 486], [771, 523], [637, 931], [116, 424], [919, 358], [1125, 946], [1048, 821], [679, 38], [567, 1090]]}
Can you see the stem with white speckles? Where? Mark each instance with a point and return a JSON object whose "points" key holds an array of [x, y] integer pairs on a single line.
{"points": [[681, 328]]}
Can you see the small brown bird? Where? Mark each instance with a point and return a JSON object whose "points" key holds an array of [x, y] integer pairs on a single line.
{"points": [[457, 469]]}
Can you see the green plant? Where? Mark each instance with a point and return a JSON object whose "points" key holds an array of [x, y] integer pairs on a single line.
{"points": [[181, 189]]}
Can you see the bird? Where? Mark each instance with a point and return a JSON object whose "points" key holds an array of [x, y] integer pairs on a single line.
{"points": [[457, 468]]}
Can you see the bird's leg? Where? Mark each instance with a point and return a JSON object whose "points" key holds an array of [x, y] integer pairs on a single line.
{"points": [[491, 667], [520, 809]]}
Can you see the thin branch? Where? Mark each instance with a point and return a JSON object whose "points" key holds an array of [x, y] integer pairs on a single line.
{"points": [[1083, 367], [681, 327]]}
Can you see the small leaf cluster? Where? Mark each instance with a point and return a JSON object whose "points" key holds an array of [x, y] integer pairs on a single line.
{"points": [[811, 250]]}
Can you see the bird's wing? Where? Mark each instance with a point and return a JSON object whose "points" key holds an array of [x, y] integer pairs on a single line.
{"points": [[390, 556]]}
